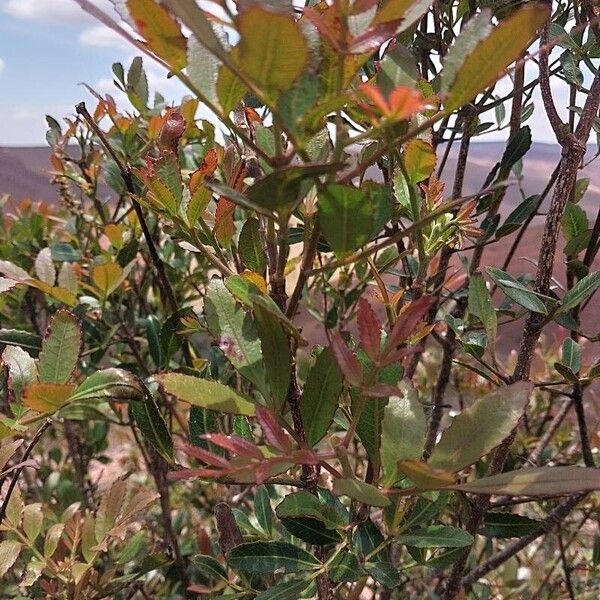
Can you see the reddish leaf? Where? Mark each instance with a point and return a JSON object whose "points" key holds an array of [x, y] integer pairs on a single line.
{"points": [[407, 322], [346, 360], [323, 27], [263, 471], [304, 456], [382, 390], [224, 228], [207, 457], [189, 473], [209, 165], [235, 444], [401, 104], [369, 330], [272, 430], [373, 37]]}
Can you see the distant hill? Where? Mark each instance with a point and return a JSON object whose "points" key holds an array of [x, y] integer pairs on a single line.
{"points": [[24, 172]]}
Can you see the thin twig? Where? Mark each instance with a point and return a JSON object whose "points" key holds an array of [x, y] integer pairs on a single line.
{"points": [[125, 171], [13, 482], [553, 519]]}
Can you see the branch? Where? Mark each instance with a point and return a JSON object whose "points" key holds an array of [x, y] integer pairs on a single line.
{"points": [[556, 122], [13, 482], [125, 171], [553, 519]]}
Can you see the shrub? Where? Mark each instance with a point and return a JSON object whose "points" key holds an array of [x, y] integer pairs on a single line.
{"points": [[230, 354]]}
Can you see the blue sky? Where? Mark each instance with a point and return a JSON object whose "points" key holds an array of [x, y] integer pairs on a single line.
{"points": [[47, 47]]}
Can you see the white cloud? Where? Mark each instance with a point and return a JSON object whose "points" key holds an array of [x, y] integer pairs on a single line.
{"points": [[63, 11], [2, 65], [102, 37], [27, 126]]}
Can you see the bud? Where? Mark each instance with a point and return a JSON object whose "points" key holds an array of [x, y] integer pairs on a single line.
{"points": [[171, 131]]}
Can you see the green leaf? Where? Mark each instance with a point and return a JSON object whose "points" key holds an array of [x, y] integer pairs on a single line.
{"points": [[370, 422], [137, 83], [507, 525], [210, 566], [309, 518], [206, 394], [319, 401], [517, 216], [22, 369], [367, 538], [195, 19], [153, 426], [283, 189], [234, 332], [202, 421], [154, 343], [405, 11], [484, 424], [419, 161], [273, 51], [577, 244], [425, 510], [398, 68], [346, 218], [361, 491], [33, 517], [305, 504], [403, 432], [9, 552], [23, 339], [580, 291], [7, 451], [284, 590], [311, 531], [384, 573], [251, 296], [571, 355], [52, 538], [444, 559], [115, 384], [60, 348], [474, 31], [276, 355], [203, 66], [44, 267], [250, 246], [516, 291], [538, 481], [63, 252], [480, 305], [230, 90], [295, 102], [345, 568], [517, 147], [237, 198], [574, 221], [571, 69], [488, 59], [268, 557], [437, 536], [262, 507]]}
